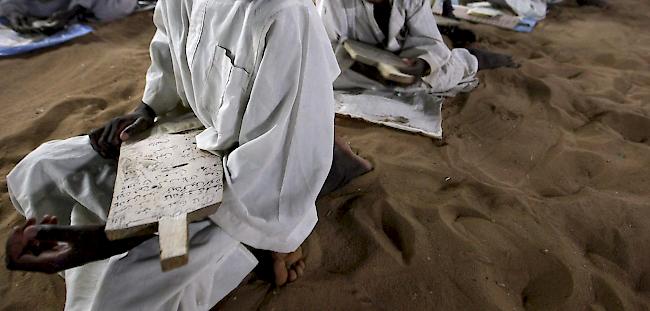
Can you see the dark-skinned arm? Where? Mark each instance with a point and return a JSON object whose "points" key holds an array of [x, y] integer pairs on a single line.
{"points": [[107, 140], [416, 67], [160, 96], [50, 248]]}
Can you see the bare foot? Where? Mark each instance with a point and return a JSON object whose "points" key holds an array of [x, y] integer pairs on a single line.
{"points": [[288, 267], [459, 37], [359, 164], [491, 60], [346, 166], [279, 268]]}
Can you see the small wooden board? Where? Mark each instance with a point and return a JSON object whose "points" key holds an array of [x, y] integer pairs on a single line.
{"points": [[163, 182], [386, 62]]}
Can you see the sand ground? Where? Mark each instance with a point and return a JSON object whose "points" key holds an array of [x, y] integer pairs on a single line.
{"points": [[537, 199]]}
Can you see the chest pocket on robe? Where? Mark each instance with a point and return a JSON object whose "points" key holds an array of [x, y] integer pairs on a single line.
{"points": [[221, 91]]}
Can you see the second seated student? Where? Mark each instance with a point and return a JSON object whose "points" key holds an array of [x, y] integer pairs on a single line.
{"points": [[408, 29]]}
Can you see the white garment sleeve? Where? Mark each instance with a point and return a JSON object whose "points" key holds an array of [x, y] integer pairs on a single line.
{"points": [[334, 16], [449, 68], [160, 91], [285, 143]]}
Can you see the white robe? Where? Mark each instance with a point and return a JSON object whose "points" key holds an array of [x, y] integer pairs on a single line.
{"points": [[103, 9], [258, 75], [412, 32]]}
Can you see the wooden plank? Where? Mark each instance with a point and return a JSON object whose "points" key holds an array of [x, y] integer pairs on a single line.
{"points": [[386, 62], [172, 233], [161, 177]]}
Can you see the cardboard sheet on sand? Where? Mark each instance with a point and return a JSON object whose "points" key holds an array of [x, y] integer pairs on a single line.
{"points": [[422, 117]]}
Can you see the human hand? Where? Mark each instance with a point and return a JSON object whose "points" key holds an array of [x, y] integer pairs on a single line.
{"points": [[31, 25], [415, 66], [107, 140], [21, 23], [42, 248], [59, 20], [50, 248]]}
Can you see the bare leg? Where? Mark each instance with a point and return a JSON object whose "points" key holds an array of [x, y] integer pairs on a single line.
{"points": [[460, 38], [448, 9], [491, 60], [346, 165]]}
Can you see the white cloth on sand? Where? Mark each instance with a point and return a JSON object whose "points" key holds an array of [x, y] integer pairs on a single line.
{"points": [[258, 75], [412, 32], [103, 9]]}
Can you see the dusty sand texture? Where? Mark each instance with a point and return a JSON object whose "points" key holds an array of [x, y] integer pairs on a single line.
{"points": [[538, 199]]}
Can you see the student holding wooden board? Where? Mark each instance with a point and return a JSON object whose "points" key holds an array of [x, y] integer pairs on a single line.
{"points": [[408, 29], [257, 76]]}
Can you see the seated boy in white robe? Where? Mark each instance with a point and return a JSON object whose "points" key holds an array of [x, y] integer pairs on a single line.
{"points": [[258, 76], [406, 28]]}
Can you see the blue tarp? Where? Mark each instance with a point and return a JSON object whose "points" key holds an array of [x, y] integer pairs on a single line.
{"points": [[13, 44], [526, 24]]}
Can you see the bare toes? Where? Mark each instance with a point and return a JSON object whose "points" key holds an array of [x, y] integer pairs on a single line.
{"points": [[280, 271], [293, 258], [288, 267], [292, 275]]}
